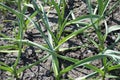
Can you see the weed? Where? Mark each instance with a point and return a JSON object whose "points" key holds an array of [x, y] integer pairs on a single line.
{"points": [[54, 41]]}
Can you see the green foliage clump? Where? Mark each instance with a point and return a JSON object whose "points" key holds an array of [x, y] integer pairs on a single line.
{"points": [[53, 41]]}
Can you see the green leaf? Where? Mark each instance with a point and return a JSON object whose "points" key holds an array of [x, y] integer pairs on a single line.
{"points": [[5, 47], [73, 48], [57, 8], [81, 19], [115, 55], [31, 65], [31, 16], [71, 35], [9, 69], [74, 34], [29, 43], [90, 6], [29, 5], [112, 77], [62, 27], [5, 67], [67, 58], [9, 9], [3, 35], [81, 63], [114, 67], [45, 20], [100, 6], [55, 65], [9, 51], [113, 7], [113, 28], [86, 76], [106, 3], [3, 64], [94, 68], [112, 52]]}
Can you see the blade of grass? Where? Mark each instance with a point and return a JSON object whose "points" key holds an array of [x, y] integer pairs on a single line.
{"points": [[67, 58], [96, 26], [113, 54], [8, 8], [73, 48], [115, 43], [9, 69], [29, 43], [74, 34], [106, 30], [100, 6], [92, 41], [3, 35], [9, 51], [113, 28], [80, 19], [114, 67], [55, 65], [57, 8], [81, 63], [8, 47], [60, 13], [35, 24], [106, 3], [94, 68], [55, 62], [31, 16], [112, 77], [45, 20], [63, 26], [31, 65], [113, 7], [3, 64], [73, 16], [87, 76]]}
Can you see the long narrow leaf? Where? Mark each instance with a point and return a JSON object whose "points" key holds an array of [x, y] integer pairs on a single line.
{"points": [[113, 28], [114, 67], [57, 8], [87, 76], [8, 8], [55, 65], [68, 58], [81, 63], [31, 65], [9, 51], [100, 6], [80, 19], [45, 20], [94, 68], [3, 64], [29, 43], [113, 7], [9, 69], [74, 34]]}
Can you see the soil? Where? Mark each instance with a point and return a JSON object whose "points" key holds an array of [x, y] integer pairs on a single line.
{"points": [[43, 71]]}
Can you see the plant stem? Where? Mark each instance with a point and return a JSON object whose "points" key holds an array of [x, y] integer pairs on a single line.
{"points": [[20, 36]]}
